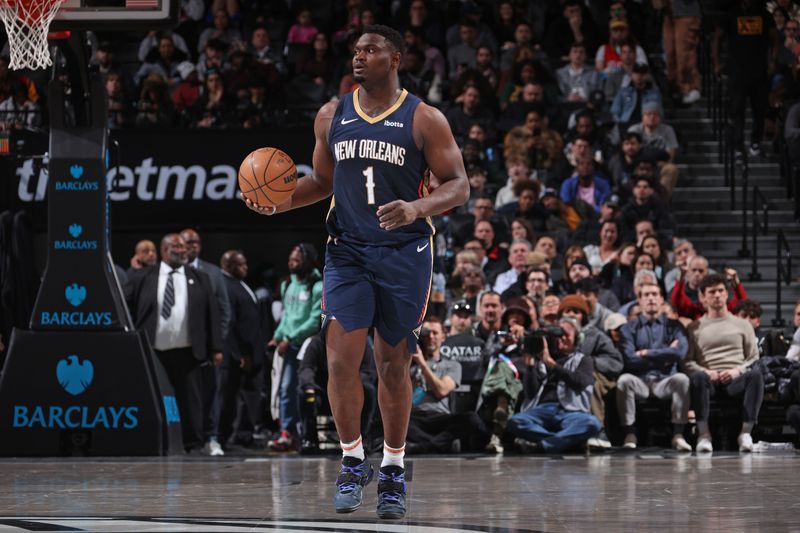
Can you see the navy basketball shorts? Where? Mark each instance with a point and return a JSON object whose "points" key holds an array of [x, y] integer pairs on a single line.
{"points": [[385, 287]]}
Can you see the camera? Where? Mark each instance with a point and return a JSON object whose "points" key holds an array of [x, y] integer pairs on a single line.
{"points": [[422, 339], [534, 341]]}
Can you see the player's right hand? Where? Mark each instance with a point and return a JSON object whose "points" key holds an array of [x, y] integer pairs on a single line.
{"points": [[261, 210]]}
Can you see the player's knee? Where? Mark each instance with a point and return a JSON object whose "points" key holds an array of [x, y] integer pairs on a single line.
{"points": [[393, 373]]}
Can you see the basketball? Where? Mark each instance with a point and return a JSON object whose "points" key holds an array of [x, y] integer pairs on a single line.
{"points": [[267, 177]]}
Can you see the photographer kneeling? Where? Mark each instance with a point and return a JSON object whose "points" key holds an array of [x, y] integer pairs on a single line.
{"points": [[558, 418]]}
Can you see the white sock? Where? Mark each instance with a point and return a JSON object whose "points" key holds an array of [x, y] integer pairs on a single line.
{"points": [[393, 456], [353, 449]]}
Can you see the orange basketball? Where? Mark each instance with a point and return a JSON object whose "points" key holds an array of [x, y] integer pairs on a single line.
{"points": [[267, 177]]}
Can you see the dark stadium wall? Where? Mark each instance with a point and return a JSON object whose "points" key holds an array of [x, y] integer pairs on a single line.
{"points": [[168, 180]]}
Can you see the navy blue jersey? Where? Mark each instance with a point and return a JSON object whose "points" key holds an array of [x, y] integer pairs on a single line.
{"points": [[376, 162]]}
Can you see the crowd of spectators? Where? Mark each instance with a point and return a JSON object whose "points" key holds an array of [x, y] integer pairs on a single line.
{"points": [[562, 293]]}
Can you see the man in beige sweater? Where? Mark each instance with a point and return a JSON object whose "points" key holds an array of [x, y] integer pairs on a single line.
{"points": [[722, 349]]}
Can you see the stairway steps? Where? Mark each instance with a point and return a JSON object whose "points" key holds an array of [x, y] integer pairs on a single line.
{"points": [[718, 181], [703, 217]]}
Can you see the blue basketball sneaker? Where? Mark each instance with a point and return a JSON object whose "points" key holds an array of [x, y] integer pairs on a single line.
{"points": [[353, 476], [391, 492]]}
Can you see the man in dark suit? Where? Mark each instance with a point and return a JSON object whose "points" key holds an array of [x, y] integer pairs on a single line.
{"points": [[194, 246], [243, 355], [175, 305]]}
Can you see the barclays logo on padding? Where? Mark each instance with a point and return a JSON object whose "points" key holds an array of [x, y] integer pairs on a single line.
{"points": [[76, 173], [76, 295], [75, 230], [75, 377]]}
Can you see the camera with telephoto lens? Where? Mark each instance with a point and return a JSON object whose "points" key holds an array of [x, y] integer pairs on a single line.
{"points": [[422, 339], [534, 341]]}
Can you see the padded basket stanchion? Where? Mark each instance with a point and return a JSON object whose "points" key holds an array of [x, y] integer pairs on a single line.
{"points": [[27, 23]]}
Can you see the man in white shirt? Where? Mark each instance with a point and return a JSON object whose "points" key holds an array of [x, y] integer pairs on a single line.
{"points": [[517, 258], [176, 306]]}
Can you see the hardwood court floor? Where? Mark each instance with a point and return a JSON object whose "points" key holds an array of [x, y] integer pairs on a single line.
{"points": [[646, 491]]}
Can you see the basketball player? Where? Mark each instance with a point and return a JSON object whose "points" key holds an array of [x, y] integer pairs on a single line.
{"points": [[372, 151]]}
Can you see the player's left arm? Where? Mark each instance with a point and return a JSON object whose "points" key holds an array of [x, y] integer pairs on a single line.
{"points": [[433, 136]]}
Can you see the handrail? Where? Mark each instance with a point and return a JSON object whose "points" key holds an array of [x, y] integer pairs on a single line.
{"points": [[754, 274], [743, 251], [783, 273]]}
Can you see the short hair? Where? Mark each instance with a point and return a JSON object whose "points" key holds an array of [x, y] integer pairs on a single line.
{"points": [[539, 270], [484, 294], [712, 280], [632, 135], [434, 318], [645, 272], [526, 242], [577, 44], [390, 34], [587, 285], [750, 307], [581, 138], [647, 284]]}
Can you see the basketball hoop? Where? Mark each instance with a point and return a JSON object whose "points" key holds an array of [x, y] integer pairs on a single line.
{"points": [[27, 23]]}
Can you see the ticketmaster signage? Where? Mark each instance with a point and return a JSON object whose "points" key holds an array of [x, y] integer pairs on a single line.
{"points": [[188, 175]]}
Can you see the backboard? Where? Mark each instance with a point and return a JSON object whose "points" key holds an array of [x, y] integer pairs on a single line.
{"points": [[116, 14]]}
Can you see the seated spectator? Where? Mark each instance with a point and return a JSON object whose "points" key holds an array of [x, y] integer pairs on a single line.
{"points": [[656, 134], [518, 172], [577, 81], [215, 107], [303, 31], [620, 76], [686, 293], [557, 217], [588, 232], [521, 227], [623, 163], [575, 26], [461, 55], [315, 70], [525, 72], [644, 274], [793, 354], [631, 99], [188, 90], [559, 389], [770, 342], [120, 110], [155, 108], [607, 361], [497, 255], [470, 111], [523, 39], [613, 326], [653, 347], [467, 350], [524, 209], [221, 30], [490, 311], [415, 37], [484, 63], [502, 386], [417, 79], [162, 60], [619, 267], [580, 148], [18, 111], [644, 206], [152, 40], [433, 426], [472, 283], [599, 255], [608, 57], [722, 349], [548, 314], [682, 250], [585, 186], [260, 48], [213, 57], [588, 289], [517, 255], [651, 245], [547, 148]]}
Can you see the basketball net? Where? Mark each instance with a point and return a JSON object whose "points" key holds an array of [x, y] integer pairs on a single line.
{"points": [[27, 23]]}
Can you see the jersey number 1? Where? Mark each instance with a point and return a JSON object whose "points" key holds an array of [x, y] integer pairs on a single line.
{"points": [[370, 185]]}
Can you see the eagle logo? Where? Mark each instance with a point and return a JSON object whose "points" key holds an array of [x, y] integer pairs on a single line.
{"points": [[75, 294], [74, 376]]}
